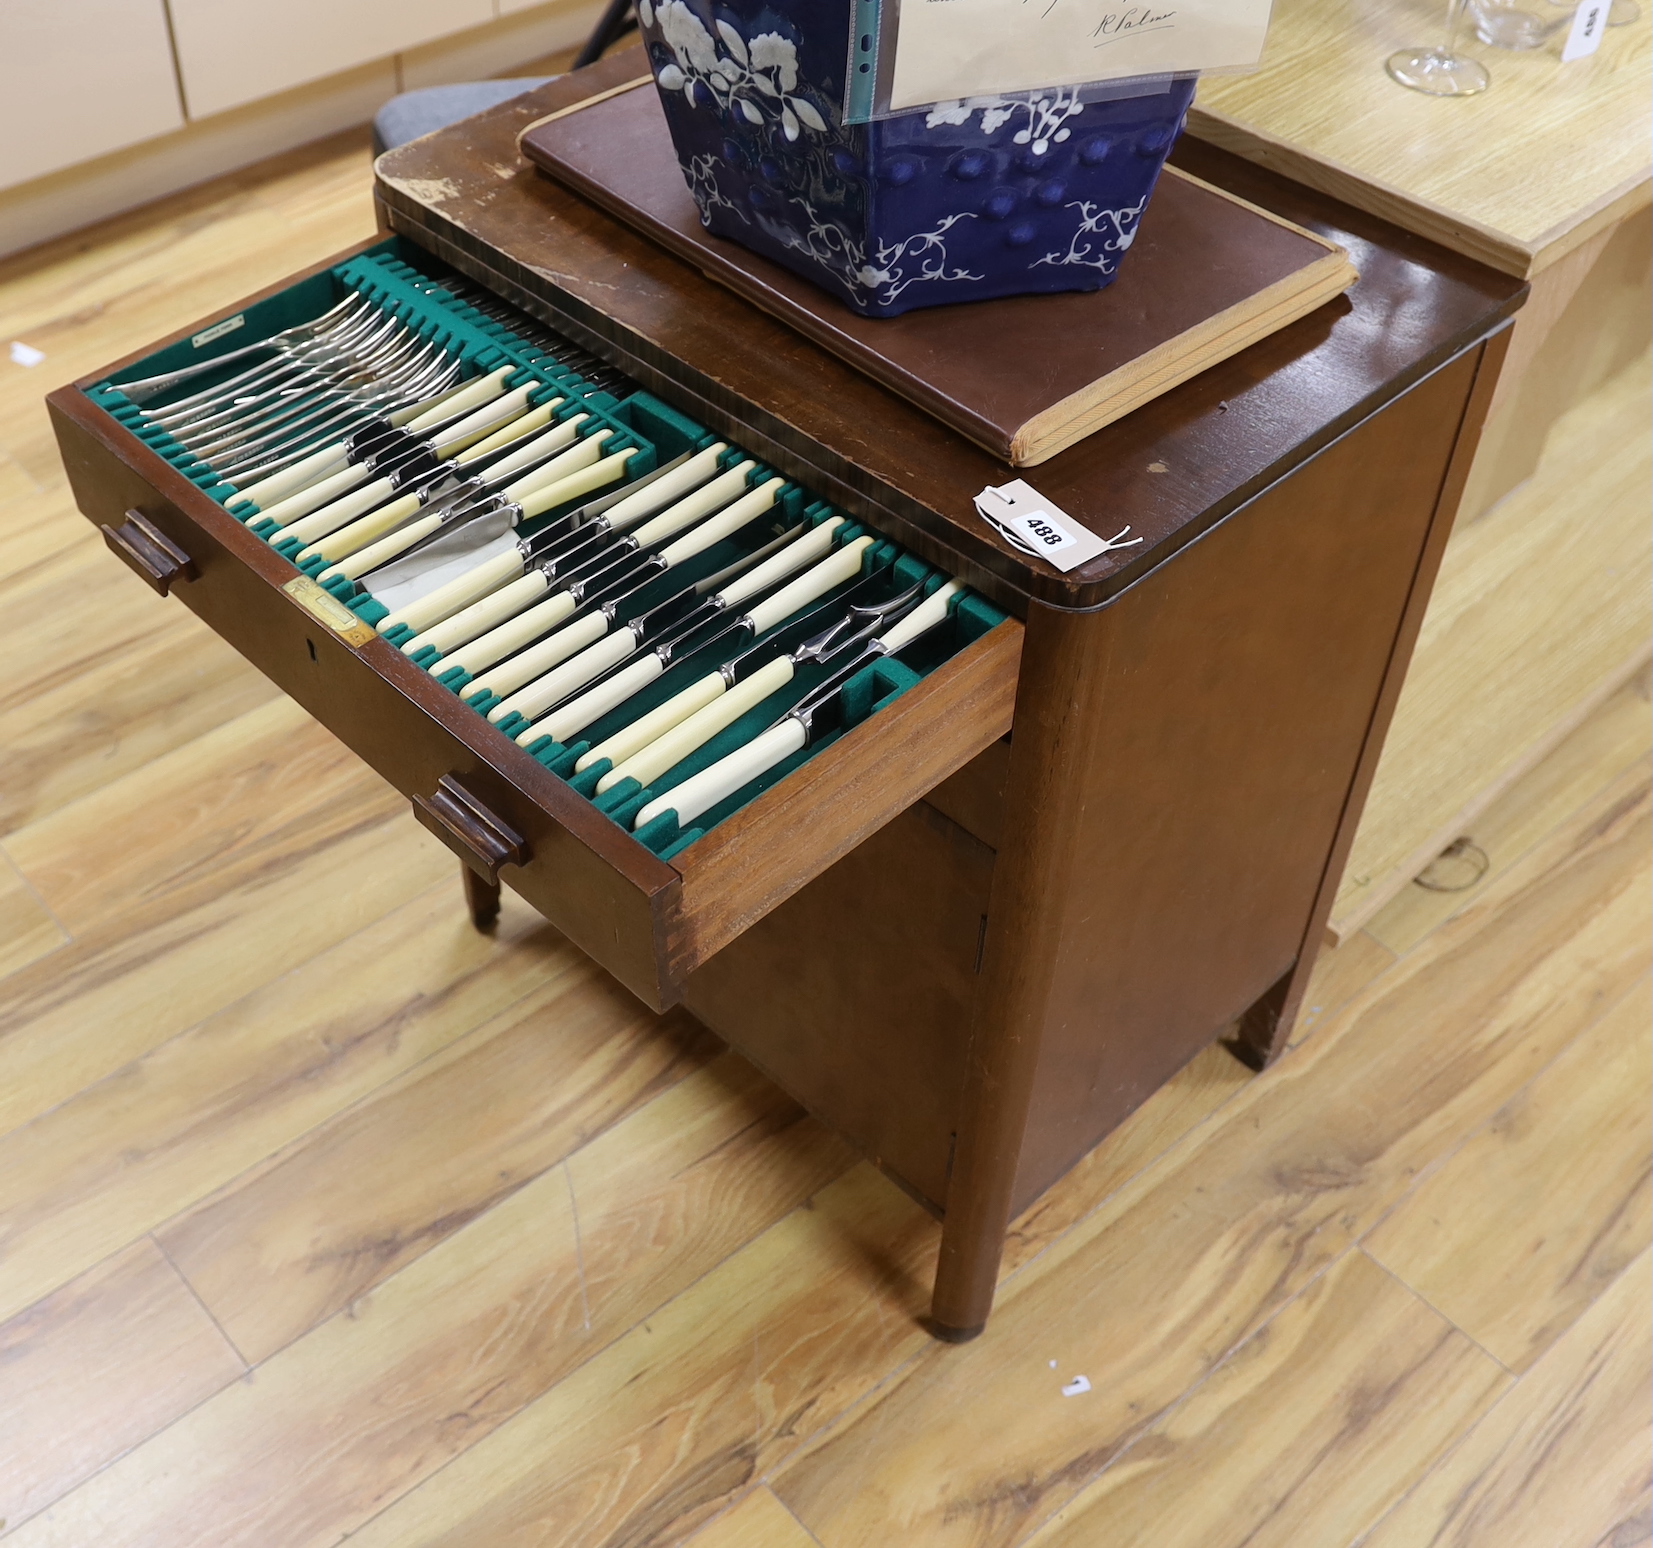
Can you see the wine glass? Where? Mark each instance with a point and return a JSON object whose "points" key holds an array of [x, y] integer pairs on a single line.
{"points": [[1442, 71], [1510, 24]]}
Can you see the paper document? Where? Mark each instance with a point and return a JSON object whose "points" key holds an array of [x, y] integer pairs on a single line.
{"points": [[950, 49]]}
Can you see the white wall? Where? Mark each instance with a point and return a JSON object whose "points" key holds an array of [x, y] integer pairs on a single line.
{"points": [[160, 156], [79, 78], [231, 52]]}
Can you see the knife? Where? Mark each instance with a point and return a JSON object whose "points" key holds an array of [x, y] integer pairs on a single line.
{"points": [[508, 601], [750, 678], [576, 472], [538, 696], [351, 523], [817, 714], [601, 664], [498, 588], [513, 580]]}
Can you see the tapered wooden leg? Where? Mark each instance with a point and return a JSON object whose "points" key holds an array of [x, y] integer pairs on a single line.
{"points": [[1055, 734], [481, 897]]}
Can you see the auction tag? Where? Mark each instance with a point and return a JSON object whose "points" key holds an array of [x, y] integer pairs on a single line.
{"points": [[1038, 527], [1044, 533], [321, 604], [1589, 23], [218, 330]]}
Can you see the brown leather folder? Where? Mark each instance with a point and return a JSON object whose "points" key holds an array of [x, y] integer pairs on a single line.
{"points": [[1207, 275]]}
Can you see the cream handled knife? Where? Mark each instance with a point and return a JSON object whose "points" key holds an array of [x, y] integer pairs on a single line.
{"points": [[427, 611], [662, 724], [523, 470], [540, 695], [547, 555], [678, 625], [488, 653], [819, 713], [571, 486]]}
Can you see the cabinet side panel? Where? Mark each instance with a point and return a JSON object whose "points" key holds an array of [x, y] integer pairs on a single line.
{"points": [[1240, 684], [855, 994]]}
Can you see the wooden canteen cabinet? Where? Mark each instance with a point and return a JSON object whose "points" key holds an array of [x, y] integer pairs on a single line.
{"points": [[989, 922]]}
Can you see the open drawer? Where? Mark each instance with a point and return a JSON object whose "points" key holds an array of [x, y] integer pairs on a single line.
{"points": [[649, 905]]}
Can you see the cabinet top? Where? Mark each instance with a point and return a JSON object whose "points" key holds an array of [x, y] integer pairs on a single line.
{"points": [[1517, 176], [1169, 470]]}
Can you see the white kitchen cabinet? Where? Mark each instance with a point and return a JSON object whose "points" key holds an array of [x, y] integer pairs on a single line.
{"points": [[235, 51], [81, 78]]}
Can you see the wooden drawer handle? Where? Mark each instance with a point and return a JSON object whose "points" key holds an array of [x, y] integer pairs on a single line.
{"points": [[149, 552], [469, 829]]}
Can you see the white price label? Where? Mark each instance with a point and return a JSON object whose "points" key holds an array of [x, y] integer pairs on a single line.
{"points": [[1045, 533], [1589, 23], [1044, 530]]}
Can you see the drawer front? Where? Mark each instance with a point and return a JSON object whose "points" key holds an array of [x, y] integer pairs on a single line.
{"points": [[650, 921]]}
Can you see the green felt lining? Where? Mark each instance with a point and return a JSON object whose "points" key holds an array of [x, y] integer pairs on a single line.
{"points": [[657, 433], [869, 691]]}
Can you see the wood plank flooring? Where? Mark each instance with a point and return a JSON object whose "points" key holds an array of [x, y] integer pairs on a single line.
{"points": [[322, 1215], [1543, 607]]}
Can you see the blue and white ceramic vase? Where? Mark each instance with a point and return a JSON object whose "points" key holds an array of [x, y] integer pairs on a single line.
{"points": [[965, 201]]}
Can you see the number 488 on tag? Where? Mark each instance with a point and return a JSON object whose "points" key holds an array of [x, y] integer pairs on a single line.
{"points": [[1042, 532]]}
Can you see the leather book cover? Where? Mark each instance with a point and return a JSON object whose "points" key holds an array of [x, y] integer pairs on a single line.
{"points": [[1024, 377]]}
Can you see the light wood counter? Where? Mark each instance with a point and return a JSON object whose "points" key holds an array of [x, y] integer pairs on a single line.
{"points": [[1517, 177], [1542, 606]]}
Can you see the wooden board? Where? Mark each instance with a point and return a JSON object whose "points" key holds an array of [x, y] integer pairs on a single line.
{"points": [[1562, 1460], [1544, 1208], [1540, 612], [27, 928], [1207, 275], [98, 1366], [1585, 320], [1516, 177], [758, 1521], [1330, 1462], [1615, 736]]}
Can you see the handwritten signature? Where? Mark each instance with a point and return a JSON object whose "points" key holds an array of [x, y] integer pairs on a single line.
{"points": [[1115, 25]]}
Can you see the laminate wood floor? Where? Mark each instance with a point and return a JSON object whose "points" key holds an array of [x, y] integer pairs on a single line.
{"points": [[323, 1216]]}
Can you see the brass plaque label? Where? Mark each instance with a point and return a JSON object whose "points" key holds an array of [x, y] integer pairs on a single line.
{"points": [[322, 604]]}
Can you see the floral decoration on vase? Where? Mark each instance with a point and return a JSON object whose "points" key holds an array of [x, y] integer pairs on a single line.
{"points": [[965, 200]]}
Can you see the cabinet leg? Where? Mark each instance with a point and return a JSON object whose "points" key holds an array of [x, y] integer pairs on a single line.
{"points": [[1261, 1036], [1033, 885], [481, 897]]}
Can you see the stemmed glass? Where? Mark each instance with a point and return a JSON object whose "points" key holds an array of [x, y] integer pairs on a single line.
{"points": [[1441, 72]]}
